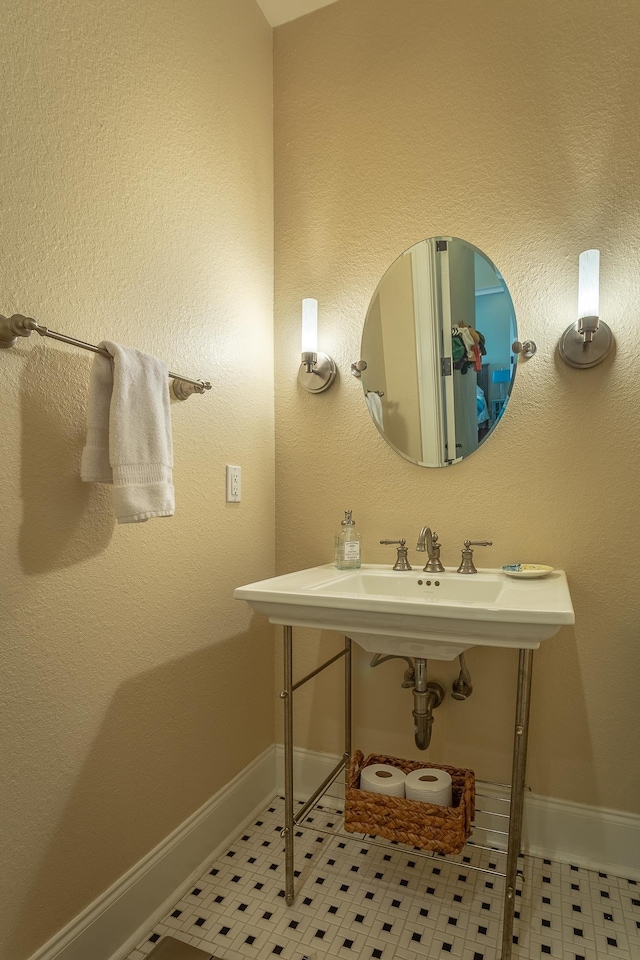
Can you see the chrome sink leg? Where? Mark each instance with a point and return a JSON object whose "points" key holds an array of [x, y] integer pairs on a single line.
{"points": [[347, 700], [519, 763], [290, 821], [287, 696]]}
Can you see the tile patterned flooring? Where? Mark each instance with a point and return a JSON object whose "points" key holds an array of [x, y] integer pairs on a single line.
{"points": [[359, 900]]}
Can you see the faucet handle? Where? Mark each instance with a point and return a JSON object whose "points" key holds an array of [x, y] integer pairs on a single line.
{"points": [[466, 564], [402, 562]]}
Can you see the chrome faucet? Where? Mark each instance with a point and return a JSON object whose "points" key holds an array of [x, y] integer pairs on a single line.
{"points": [[429, 541]]}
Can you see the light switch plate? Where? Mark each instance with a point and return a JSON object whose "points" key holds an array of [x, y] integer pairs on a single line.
{"points": [[234, 484]]}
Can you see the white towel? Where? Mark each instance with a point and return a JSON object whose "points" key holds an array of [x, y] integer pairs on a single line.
{"points": [[375, 408], [95, 466], [129, 440]]}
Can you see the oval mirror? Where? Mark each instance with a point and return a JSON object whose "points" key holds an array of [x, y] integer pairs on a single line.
{"points": [[437, 346]]}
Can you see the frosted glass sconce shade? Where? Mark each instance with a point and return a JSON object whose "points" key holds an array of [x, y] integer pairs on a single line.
{"points": [[309, 325], [589, 284], [587, 342], [317, 371]]}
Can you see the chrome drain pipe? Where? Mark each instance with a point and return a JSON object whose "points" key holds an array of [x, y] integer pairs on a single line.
{"points": [[427, 695]]}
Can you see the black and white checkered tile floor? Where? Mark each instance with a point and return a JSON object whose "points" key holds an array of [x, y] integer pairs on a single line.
{"points": [[359, 900]]}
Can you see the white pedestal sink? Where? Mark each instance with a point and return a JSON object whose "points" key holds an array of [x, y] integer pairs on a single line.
{"points": [[430, 616], [435, 616]]}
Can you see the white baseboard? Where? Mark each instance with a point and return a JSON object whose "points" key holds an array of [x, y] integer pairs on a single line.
{"points": [[309, 770], [590, 837], [110, 927]]}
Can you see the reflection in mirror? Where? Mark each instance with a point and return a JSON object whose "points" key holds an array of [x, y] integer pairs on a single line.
{"points": [[437, 344]]}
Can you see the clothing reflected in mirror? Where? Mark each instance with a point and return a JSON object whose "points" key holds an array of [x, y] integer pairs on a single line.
{"points": [[437, 344]]}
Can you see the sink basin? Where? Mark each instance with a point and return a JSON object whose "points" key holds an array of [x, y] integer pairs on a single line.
{"points": [[436, 616], [386, 583]]}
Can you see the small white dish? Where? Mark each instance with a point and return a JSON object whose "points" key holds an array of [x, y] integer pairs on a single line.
{"points": [[527, 571]]}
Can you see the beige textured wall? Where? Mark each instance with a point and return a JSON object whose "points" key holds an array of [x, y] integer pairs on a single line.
{"points": [[514, 126], [136, 195]]}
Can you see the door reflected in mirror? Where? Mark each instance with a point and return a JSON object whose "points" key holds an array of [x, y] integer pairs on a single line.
{"points": [[437, 343]]}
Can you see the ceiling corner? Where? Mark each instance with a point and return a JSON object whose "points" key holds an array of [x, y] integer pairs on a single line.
{"points": [[281, 11]]}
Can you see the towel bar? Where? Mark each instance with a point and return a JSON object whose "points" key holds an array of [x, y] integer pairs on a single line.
{"points": [[18, 326]]}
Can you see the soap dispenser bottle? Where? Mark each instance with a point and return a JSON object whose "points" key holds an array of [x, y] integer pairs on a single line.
{"points": [[347, 554]]}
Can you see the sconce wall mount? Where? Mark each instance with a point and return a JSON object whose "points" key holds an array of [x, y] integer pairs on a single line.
{"points": [[317, 373], [587, 342], [583, 347]]}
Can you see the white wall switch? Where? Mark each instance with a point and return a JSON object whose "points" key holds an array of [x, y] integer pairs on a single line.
{"points": [[234, 484]]}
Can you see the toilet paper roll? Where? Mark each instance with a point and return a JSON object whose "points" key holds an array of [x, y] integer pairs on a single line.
{"points": [[383, 778], [429, 785]]}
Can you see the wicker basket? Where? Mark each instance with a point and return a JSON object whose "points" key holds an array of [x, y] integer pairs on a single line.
{"points": [[419, 824]]}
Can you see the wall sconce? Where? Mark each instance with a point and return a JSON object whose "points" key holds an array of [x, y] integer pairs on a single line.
{"points": [[317, 370], [587, 342]]}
